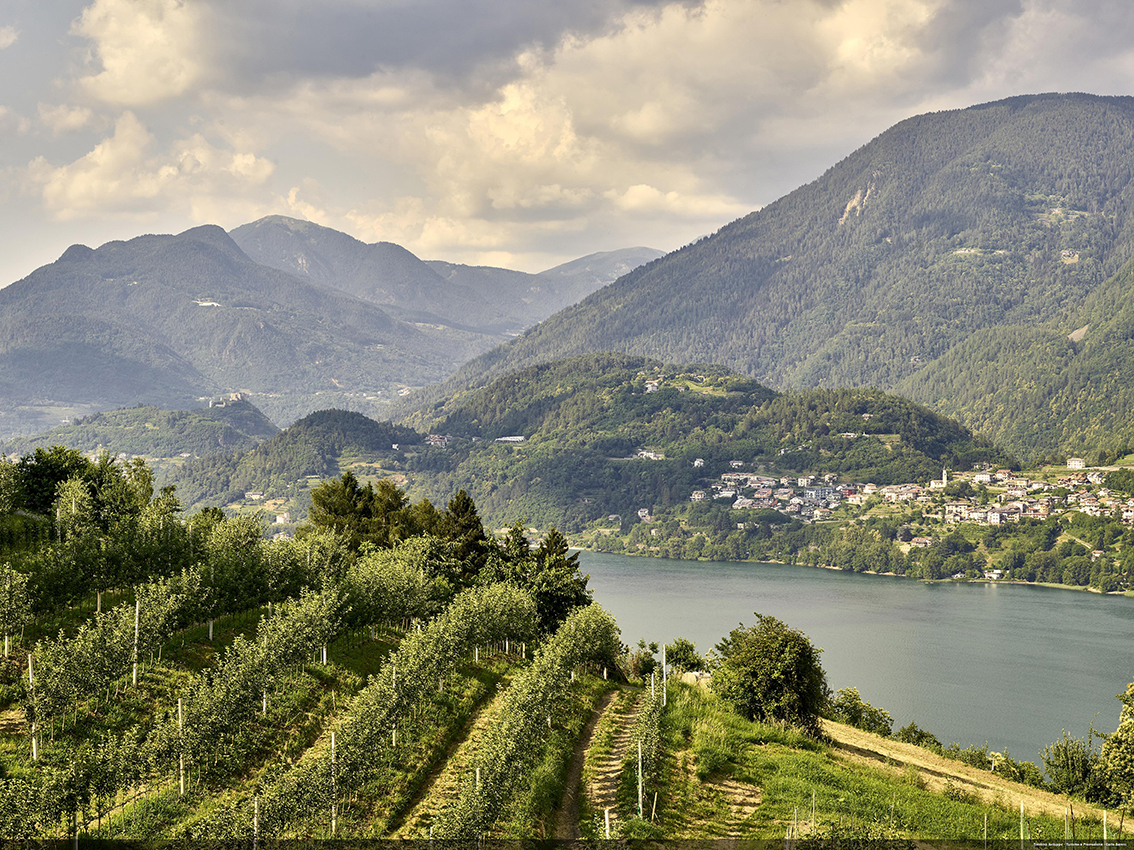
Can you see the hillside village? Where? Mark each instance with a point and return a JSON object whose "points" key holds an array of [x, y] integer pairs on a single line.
{"points": [[997, 497]]}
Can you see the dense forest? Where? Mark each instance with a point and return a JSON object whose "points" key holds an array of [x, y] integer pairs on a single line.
{"points": [[1040, 392]]}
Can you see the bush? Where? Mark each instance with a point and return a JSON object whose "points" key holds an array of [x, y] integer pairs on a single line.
{"points": [[914, 734], [771, 672], [850, 708]]}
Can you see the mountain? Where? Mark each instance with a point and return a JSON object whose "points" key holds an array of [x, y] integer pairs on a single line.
{"points": [[1006, 214], [226, 426], [167, 320], [1040, 391], [491, 301]]}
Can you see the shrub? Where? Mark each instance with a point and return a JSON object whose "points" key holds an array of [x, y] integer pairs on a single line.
{"points": [[771, 672]]}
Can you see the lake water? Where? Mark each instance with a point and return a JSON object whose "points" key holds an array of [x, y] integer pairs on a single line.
{"points": [[1009, 665]]}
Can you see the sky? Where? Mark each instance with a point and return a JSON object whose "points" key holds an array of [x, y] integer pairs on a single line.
{"points": [[497, 132]]}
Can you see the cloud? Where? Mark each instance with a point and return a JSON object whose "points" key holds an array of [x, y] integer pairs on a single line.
{"points": [[8, 37], [121, 176], [63, 118], [149, 50]]}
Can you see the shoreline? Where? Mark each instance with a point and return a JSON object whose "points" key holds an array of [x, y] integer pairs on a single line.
{"points": [[994, 582]]}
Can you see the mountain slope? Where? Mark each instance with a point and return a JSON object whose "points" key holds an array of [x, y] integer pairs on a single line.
{"points": [[490, 300], [168, 319], [1006, 213], [1040, 391]]}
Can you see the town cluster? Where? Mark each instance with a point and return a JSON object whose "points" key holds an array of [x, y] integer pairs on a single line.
{"points": [[1001, 496], [808, 496]]}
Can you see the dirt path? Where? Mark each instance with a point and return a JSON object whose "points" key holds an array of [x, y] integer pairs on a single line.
{"points": [[602, 787], [445, 782], [567, 818], [938, 772]]}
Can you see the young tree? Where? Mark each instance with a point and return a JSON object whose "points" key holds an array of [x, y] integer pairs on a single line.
{"points": [[771, 672], [682, 656]]}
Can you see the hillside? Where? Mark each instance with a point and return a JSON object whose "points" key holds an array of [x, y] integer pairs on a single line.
{"points": [[228, 426], [166, 320], [1008, 213], [610, 434], [1041, 391], [491, 301], [313, 446]]}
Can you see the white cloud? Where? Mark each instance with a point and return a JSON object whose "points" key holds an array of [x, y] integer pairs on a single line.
{"points": [[121, 176], [149, 50], [63, 118], [8, 37]]}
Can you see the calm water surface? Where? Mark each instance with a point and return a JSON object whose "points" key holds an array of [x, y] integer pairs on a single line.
{"points": [[1008, 665]]}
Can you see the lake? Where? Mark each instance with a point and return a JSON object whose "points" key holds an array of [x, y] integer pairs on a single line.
{"points": [[1009, 665]]}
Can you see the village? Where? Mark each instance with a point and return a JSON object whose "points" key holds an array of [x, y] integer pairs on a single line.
{"points": [[995, 497]]}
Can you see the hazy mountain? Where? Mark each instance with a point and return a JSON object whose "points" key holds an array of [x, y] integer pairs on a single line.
{"points": [[167, 320], [490, 300], [1008, 213]]}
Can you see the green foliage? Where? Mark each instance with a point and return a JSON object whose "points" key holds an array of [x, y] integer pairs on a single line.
{"points": [[849, 707], [1117, 755], [681, 656], [547, 572], [511, 747], [771, 672], [310, 447], [1073, 766], [914, 734]]}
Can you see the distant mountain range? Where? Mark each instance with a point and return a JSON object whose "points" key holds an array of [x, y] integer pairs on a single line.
{"points": [[490, 300], [173, 320], [941, 259]]}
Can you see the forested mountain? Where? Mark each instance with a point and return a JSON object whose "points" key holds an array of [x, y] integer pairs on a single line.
{"points": [[1041, 391], [490, 300], [228, 426], [610, 434], [167, 320], [1008, 213]]}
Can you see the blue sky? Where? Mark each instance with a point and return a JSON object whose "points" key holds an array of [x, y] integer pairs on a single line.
{"points": [[501, 132]]}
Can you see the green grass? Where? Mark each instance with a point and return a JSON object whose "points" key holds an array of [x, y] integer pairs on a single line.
{"points": [[708, 744]]}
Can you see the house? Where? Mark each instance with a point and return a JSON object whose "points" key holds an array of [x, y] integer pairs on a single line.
{"points": [[697, 496], [283, 519], [982, 478], [736, 464], [254, 495], [438, 440], [516, 439], [644, 514], [651, 386], [698, 463], [1076, 463], [921, 542]]}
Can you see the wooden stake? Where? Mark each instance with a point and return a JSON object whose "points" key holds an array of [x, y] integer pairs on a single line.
{"points": [[137, 620]]}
